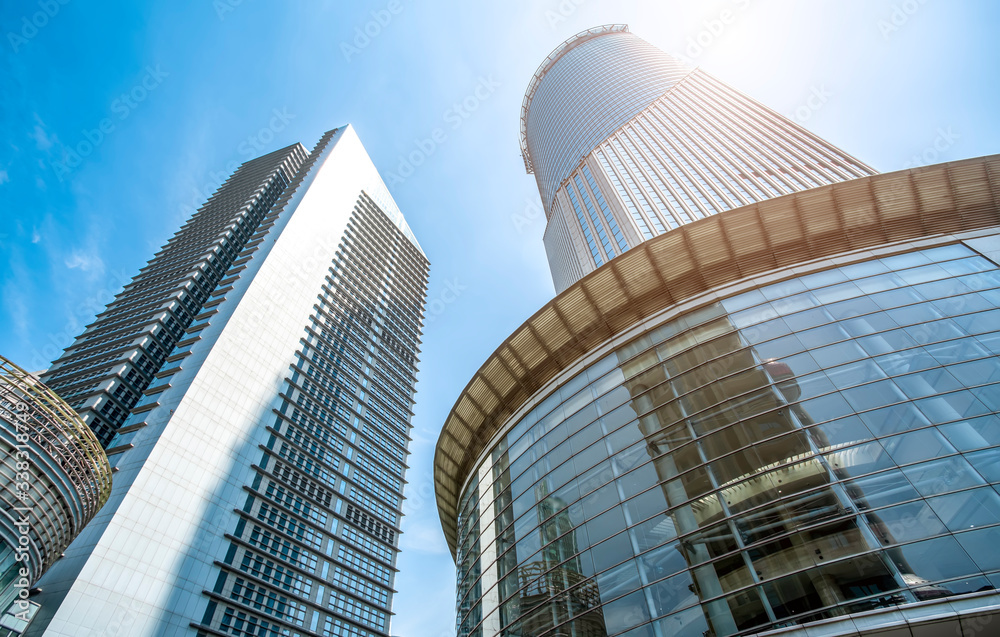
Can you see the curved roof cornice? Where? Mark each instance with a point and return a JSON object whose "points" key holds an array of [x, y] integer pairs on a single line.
{"points": [[693, 259]]}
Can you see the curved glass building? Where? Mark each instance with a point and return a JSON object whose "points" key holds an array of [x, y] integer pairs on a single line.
{"points": [[626, 143], [779, 415], [689, 443], [54, 477]]}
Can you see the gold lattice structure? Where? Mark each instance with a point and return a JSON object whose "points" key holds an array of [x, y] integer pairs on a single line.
{"points": [[54, 473]]}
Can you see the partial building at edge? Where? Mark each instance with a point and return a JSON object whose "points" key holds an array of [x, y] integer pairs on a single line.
{"points": [[259, 477], [775, 406], [54, 477]]}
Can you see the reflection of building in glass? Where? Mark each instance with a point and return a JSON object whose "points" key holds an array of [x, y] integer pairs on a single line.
{"points": [[777, 411], [554, 585], [258, 485], [54, 477]]}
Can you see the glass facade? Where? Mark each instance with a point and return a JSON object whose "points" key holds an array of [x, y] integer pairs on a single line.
{"points": [[315, 545], [103, 374], [811, 448], [598, 81], [668, 144], [259, 479]]}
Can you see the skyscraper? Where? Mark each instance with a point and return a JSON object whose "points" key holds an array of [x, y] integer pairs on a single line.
{"points": [[259, 478], [626, 143], [766, 395], [104, 372]]}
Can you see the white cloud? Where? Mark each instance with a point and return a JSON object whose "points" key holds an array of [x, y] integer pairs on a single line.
{"points": [[85, 262], [16, 309], [423, 538], [4, 177], [42, 140], [36, 236]]}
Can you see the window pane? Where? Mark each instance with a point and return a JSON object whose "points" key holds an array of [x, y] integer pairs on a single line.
{"points": [[929, 330], [661, 562], [839, 353], [933, 560], [968, 509], [605, 525], [855, 578], [653, 532], [856, 373], [859, 460], [904, 523], [953, 406], [975, 433], [987, 463], [838, 432], [669, 595], [982, 544], [617, 581], [927, 383], [915, 446], [881, 489], [873, 395], [611, 552], [942, 476], [885, 342], [626, 612]]}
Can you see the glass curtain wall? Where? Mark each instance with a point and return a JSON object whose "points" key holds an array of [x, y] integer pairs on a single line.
{"points": [[815, 447]]}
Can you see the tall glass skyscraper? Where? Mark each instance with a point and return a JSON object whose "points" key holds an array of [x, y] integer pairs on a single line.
{"points": [[259, 477], [104, 372], [626, 143], [769, 406]]}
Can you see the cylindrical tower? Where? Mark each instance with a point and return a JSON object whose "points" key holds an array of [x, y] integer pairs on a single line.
{"points": [[54, 477], [627, 142]]}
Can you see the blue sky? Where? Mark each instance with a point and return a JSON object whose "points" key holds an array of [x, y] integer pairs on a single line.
{"points": [[118, 120]]}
